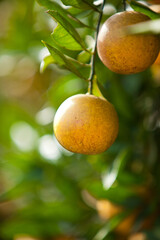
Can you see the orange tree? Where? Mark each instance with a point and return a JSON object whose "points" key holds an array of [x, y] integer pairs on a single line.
{"points": [[46, 191]]}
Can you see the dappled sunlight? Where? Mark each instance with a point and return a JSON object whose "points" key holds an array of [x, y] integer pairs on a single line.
{"points": [[45, 116], [7, 64], [48, 148], [24, 136]]}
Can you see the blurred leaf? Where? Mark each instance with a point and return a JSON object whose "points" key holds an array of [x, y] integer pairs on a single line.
{"points": [[63, 38], [139, 7], [110, 226], [117, 194], [56, 7], [128, 178], [58, 93], [54, 211], [32, 228], [110, 176], [121, 99], [68, 27], [152, 26]]}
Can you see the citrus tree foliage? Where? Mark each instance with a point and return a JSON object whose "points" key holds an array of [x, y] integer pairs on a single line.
{"points": [[46, 191]]}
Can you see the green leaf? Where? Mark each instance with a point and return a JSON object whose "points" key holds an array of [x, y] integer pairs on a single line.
{"points": [[82, 4], [63, 38], [139, 7], [79, 12], [152, 26], [84, 57], [110, 226], [58, 57], [68, 27], [46, 61], [56, 7], [65, 51], [62, 60]]}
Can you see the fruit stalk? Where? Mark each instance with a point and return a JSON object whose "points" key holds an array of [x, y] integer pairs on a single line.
{"points": [[90, 87]]}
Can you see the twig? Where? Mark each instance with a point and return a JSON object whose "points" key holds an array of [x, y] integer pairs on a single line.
{"points": [[90, 88]]}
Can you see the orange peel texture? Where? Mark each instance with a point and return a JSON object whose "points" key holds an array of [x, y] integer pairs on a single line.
{"points": [[86, 124], [126, 54]]}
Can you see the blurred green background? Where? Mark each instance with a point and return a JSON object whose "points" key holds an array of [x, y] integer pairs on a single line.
{"points": [[47, 192]]}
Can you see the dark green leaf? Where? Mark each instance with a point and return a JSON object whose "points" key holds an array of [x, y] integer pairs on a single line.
{"points": [[56, 7], [82, 4], [62, 60], [58, 57]]}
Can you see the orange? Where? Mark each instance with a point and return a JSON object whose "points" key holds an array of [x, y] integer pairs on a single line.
{"points": [[137, 236], [86, 124], [107, 210], [154, 1], [125, 227], [126, 54]]}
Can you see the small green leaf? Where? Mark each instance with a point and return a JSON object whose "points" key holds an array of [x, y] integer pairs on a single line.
{"points": [[95, 89], [139, 7], [46, 61], [68, 27], [65, 51], [62, 60], [63, 38], [84, 57], [110, 176]]}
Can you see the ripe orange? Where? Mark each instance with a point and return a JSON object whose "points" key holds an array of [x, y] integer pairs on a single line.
{"points": [[107, 209], [137, 236], [154, 1], [125, 227], [86, 124], [126, 54]]}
